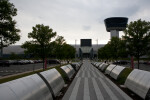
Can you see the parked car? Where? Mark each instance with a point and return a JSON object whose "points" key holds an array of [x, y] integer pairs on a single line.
{"points": [[4, 63], [31, 61], [148, 63], [120, 62], [53, 61]]}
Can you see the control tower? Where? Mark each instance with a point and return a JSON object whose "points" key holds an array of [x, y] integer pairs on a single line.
{"points": [[115, 24]]}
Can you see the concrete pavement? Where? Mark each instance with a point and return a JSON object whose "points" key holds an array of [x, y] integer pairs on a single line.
{"points": [[91, 84]]}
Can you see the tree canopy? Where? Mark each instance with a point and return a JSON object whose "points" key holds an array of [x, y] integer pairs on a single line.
{"points": [[137, 37], [40, 43], [114, 49], [62, 50], [8, 30]]}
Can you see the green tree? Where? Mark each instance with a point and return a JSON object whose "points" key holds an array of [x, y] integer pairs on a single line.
{"points": [[40, 45], [14, 56], [8, 30], [137, 35], [104, 52], [59, 42], [62, 50], [118, 48], [68, 51], [114, 49]]}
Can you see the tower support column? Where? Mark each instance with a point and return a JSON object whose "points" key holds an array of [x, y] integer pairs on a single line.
{"points": [[114, 33]]}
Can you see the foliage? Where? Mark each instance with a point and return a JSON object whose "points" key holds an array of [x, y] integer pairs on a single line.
{"points": [[114, 49], [58, 46], [8, 30], [62, 50], [117, 47], [40, 45], [60, 40], [68, 51], [137, 37], [14, 56], [104, 52]]}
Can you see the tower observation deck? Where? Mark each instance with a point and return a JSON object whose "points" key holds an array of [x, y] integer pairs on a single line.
{"points": [[115, 24]]}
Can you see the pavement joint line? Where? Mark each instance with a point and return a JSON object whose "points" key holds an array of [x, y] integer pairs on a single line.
{"points": [[86, 90], [89, 74], [108, 90], [78, 73], [97, 90], [125, 96], [75, 90], [99, 75], [83, 74], [94, 74]]}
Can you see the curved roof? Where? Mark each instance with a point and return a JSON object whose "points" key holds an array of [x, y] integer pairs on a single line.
{"points": [[116, 23]]}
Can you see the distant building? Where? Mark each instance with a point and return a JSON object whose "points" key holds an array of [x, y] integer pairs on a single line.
{"points": [[14, 49], [84, 50]]}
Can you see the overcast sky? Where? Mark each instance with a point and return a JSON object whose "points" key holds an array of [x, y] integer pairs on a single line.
{"points": [[77, 19]]}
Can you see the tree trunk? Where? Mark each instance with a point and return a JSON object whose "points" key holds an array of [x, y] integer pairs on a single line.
{"points": [[132, 62], [43, 56], [43, 63], [138, 62]]}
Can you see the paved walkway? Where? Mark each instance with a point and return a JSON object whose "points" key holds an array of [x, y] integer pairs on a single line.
{"points": [[91, 84]]}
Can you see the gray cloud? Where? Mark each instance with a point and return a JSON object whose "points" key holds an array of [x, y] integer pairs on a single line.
{"points": [[70, 18], [86, 27]]}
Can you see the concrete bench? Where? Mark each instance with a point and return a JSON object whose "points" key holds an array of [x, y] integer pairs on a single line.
{"points": [[54, 79], [109, 69], [102, 68], [116, 72], [67, 71], [138, 81], [27, 88]]}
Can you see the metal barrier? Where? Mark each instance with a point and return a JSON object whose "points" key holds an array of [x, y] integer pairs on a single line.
{"points": [[92, 63], [103, 67], [72, 70], [76, 66], [116, 72], [100, 65], [138, 81], [67, 70], [27, 88], [109, 69], [54, 79], [97, 65]]}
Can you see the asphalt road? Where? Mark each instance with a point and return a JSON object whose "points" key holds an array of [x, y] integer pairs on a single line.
{"points": [[14, 69]]}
